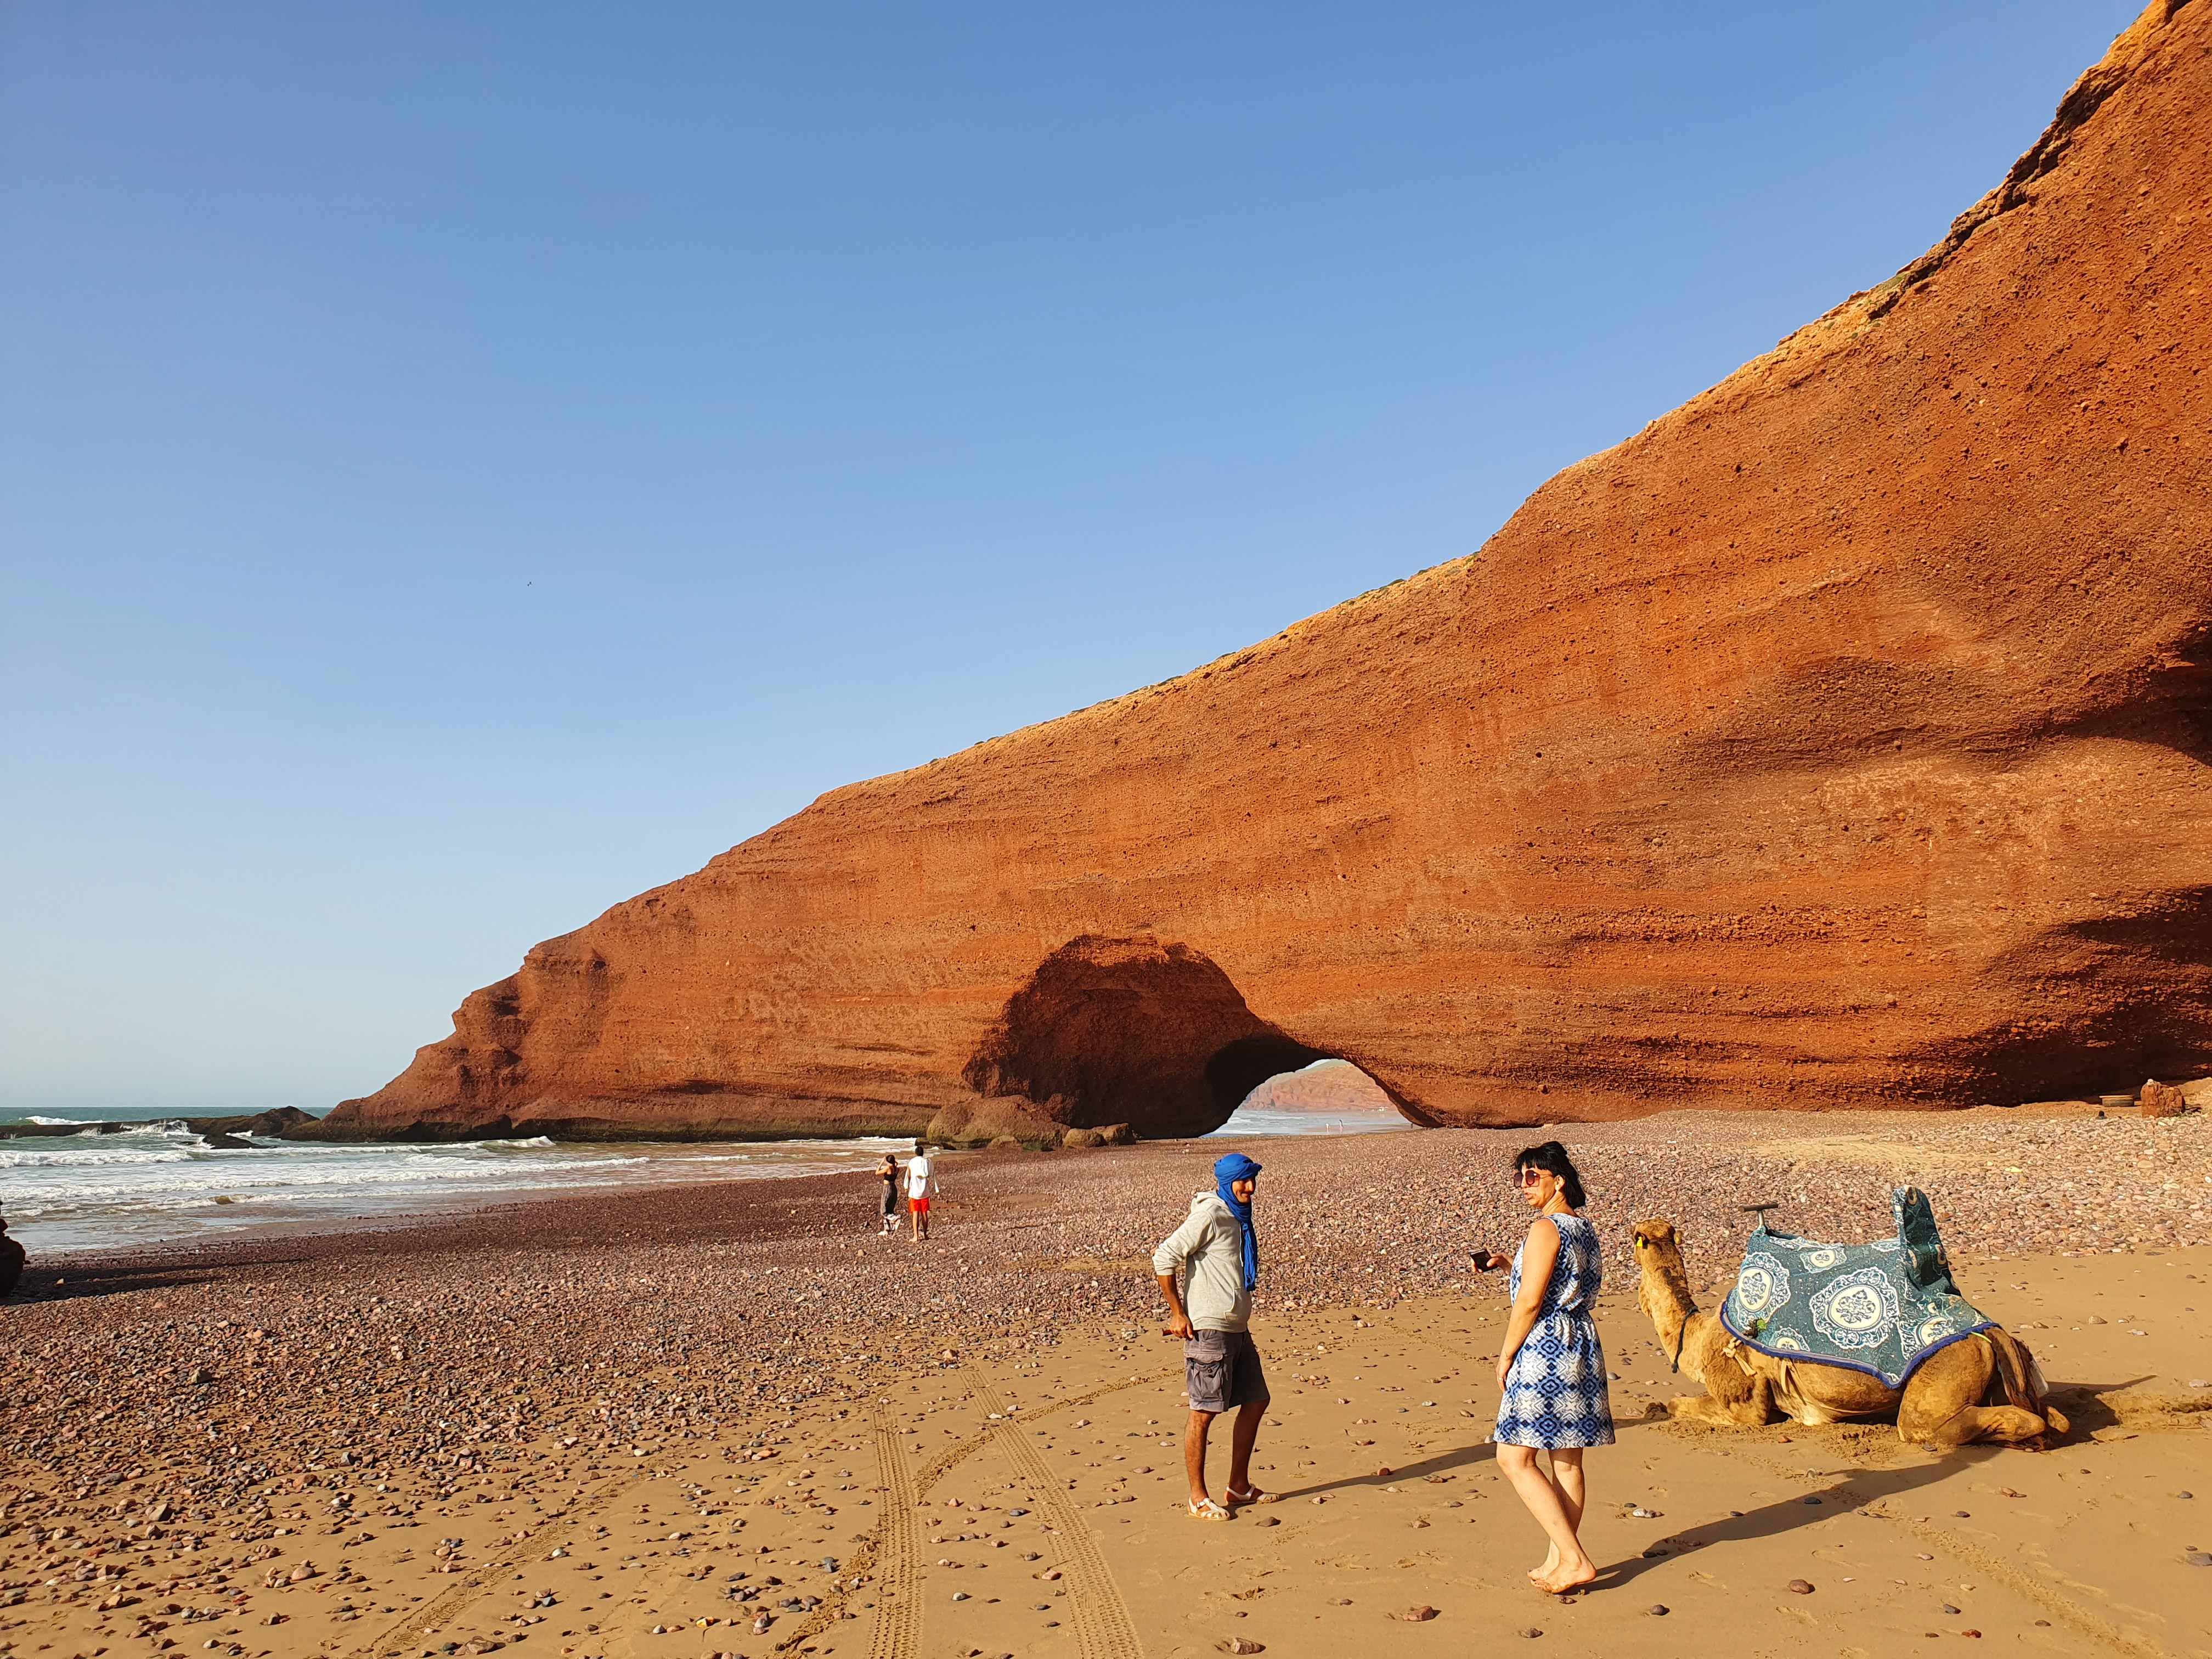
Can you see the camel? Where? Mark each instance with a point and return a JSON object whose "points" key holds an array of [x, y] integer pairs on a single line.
{"points": [[1984, 1387]]}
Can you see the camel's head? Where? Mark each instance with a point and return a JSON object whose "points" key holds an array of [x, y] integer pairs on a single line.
{"points": [[1659, 1259]]}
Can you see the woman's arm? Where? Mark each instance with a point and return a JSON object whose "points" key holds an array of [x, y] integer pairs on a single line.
{"points": [[1538, 1257]]}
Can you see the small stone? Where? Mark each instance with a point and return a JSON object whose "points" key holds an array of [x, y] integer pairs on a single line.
{"points": [[1419, 1615], [1814, 1502], [1798, 1587], [1976, 1634], [1962, 1515], [1242, 1645], [1267, 1521], [2185, 1494], [1657, 1610], [1532, 1631], [1948, 1608], [2198, 1558]]}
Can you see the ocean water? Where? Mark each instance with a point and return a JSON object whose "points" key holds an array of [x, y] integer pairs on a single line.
{"points": [[1250, 1120], [162, 1184], [1329, 1097]]}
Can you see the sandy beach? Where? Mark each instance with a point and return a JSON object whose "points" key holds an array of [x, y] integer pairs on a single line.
{"points": [[729, 1419]]}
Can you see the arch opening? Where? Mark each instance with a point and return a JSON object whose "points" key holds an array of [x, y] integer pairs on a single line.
{"points": [[1326, 1096], [1131, 1031]]}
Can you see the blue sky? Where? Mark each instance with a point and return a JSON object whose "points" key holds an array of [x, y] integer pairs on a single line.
{"points": [[460, 466]]}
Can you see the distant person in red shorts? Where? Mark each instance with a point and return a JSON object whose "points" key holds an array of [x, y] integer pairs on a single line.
{"points": [[920, 1188]]}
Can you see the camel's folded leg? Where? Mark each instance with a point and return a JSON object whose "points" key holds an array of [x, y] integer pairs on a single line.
{"points": [[2007, 1424], [1942, 1404], [1737, 1403]]}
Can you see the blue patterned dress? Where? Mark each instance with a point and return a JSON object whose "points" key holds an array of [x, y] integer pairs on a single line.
{"points": [[1555, 1394]]}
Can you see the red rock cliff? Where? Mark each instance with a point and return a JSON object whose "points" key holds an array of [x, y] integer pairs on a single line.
{"points": [[1839, 739]]}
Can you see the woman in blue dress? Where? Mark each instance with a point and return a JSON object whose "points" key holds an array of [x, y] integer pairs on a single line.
{"points": [[1551, 1367]]}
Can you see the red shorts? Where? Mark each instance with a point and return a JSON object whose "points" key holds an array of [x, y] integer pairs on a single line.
{"points": [[919, 1206]]}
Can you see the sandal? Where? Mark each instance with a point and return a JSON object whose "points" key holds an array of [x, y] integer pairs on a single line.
{"points": [[1207, 1509], [1250, 1495]]}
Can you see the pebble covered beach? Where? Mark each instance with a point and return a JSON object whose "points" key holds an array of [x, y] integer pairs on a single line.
{"points": [[246, 1419]]}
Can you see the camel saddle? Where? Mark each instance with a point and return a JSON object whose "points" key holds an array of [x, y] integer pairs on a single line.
{"points": [[1880, 1308]]}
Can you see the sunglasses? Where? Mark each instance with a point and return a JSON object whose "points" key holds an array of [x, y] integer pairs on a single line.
{"points": [[1529, 1177]]}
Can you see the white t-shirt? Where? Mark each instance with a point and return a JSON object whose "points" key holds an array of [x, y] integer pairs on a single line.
{"points": [[920, 1181]]}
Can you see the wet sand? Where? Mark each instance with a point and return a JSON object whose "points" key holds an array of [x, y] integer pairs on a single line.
{"points": [[556, 1427]]}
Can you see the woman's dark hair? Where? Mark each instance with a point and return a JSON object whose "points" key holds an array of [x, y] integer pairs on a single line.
{"points": [[1552, 1158]]}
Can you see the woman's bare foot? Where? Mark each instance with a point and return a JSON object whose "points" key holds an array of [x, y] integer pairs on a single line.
{"points": [[1550, 1566], [1569, 1576]]}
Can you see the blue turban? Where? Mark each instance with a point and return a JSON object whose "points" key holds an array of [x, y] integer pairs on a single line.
{"points": [[1227, 1171]]}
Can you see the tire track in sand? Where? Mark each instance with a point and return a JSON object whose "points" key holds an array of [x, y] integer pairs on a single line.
{"points": [[1103, 1629], [433, 1616], [898, 1634]]}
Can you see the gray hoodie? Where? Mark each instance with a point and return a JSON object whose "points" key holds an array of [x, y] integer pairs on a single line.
{"points": [[1211, 1245]]}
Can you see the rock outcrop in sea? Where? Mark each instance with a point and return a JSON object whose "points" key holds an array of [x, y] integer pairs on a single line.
{"points": [[1839, 739], [11, 1262]]}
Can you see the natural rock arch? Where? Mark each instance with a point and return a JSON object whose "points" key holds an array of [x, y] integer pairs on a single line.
{"points": [[1838, 740], [1129, 1030]]}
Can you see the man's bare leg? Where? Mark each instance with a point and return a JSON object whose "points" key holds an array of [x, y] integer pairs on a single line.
{"points": [[1193, 1452], [1247, 1435]]}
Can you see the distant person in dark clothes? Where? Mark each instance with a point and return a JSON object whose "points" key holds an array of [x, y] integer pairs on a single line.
{"points": [[888, 1173]]}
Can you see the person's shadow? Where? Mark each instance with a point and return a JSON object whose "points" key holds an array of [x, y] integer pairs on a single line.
{"points": [[1443, 1463], [76, 1281]]}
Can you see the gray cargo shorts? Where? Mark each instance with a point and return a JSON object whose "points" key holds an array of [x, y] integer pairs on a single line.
{"points": [[1223, 1370]]}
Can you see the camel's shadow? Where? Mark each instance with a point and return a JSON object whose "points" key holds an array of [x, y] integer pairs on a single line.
{"points": [[1856, 1492]]}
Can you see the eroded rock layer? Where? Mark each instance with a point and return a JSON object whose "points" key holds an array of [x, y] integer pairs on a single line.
{"points": [[1839, 739]]}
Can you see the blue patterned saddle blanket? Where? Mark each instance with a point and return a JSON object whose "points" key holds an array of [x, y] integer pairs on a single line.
{"points": [[1880, 1308]]}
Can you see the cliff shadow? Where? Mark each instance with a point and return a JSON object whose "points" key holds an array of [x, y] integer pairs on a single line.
{"points": [[1131, 1031]]}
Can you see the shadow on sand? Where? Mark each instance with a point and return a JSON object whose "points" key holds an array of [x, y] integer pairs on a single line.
{"points": [[81, 1281]]}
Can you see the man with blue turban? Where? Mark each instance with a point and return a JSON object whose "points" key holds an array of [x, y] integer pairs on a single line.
{"points": [[1215, 1255]]}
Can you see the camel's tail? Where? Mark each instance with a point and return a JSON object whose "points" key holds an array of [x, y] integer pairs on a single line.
{"points": [[2016, 1380]]}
